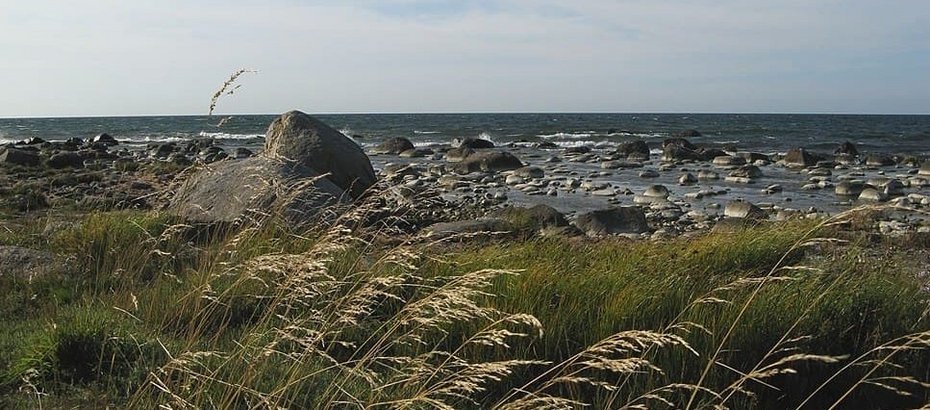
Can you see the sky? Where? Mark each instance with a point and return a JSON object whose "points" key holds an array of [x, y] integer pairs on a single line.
{"points": [[140, 57]]}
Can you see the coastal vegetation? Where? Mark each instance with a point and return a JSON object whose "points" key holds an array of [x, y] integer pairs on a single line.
{"points": [[150, 311]]}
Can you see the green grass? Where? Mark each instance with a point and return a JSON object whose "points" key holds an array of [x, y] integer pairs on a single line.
{"points": [[144, 293]]}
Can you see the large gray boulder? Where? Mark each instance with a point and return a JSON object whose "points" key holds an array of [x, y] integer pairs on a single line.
{"points": [[228, 191], [298, 137], [621, 220]]}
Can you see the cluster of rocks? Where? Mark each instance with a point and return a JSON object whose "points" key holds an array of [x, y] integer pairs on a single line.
{"points": [[630, 189]]}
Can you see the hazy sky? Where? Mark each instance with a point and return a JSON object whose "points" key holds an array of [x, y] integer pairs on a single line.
{"points": [[120, 57]]}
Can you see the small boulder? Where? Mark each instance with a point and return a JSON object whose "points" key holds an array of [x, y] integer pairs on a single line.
{"points": [[621, 220], [656, 191], [105, 139], [846, 148], [849, 188], [799, 157], [530, 172], [458, 154], [65, 159], [488, 161], [21, 157], [879, 160], [535, 218], [393, 146], [473, 143], [742, 209], [729, 161]]}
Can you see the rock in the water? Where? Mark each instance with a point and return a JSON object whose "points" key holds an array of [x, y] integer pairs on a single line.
{"points": [[536, 217], [416, 153], [637, 149], [847, 148], [393, 146], [747, 171], [65, 159], [228, 191], [105, 139], [473, 143], [849, 188], [729, 161], [488, 161], [458, 154], [621, 220], [924, 169], [298, 137], [530, 172], [742, 209], [873, 195], [687, 179], [878, 160], [14, 156], [656, 191], [799, 157]]}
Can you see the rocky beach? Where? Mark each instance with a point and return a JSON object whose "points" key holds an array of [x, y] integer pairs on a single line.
{"points": [[287, 263], [634, 187]]}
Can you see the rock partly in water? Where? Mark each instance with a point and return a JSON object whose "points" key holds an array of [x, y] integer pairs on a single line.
{"points": [[742, 209], [488, 161], [846, 148], [799, 157], [535, 218], [298, 137], [473, 143], [393, 146], [621, 220]]}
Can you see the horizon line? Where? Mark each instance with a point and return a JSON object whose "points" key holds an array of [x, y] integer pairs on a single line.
{"points": [[14, 117]]}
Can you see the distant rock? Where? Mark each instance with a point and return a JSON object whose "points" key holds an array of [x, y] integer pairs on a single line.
{"points": [[742, 209], [799, 157], [488, 161], [65, 159], [846, 148], [298, 137], [105, 139], [621, 220], [393, 146], [638, 150], [473, 143]]}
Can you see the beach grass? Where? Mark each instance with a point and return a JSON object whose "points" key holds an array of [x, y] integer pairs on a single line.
{"points": [[151, 311]]}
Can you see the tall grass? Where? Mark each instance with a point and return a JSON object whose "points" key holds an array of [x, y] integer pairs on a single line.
{"points": [[772, 316]]}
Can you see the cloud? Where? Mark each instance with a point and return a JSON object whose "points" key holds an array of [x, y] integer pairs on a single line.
{"points": [[116, 57]]}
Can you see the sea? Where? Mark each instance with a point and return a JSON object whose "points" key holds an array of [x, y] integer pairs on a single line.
{"points": [[768, 133]]}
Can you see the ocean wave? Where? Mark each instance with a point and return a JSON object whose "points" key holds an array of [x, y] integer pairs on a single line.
{"points": [[418, 132], [567, 135], [226, 136]]}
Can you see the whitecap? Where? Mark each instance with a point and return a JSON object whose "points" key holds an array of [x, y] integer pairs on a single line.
{"points": [[426, 132]]}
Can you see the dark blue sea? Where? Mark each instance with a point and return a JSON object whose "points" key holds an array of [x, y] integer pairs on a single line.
{"points": [[758, 132]]}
